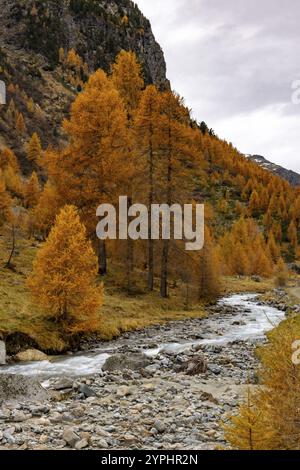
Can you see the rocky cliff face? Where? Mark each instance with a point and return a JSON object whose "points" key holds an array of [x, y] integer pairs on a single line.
{"points": [[33, 31], [291, 176], [96, 29]]}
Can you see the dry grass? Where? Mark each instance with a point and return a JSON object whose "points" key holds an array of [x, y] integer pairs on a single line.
{"points": [[237, 284], [122, 313]]}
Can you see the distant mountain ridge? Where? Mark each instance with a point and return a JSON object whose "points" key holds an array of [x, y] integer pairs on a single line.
{"points": [[291, 176]]}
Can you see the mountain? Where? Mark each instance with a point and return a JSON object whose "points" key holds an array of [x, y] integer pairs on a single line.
{"points": [[291, 176], [33, 33]]}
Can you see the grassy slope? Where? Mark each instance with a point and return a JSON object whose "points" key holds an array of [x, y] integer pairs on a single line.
{"points": [[120, 312]]}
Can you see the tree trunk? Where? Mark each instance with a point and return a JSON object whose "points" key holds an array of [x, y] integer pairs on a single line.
{"points": [[166, 243], [102, 258], [12, 252], [130, 257], [164, 270], [150, 241]]}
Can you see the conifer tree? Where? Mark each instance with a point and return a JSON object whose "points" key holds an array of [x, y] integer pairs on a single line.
{"points": [[177, 151], [146, 132], [209, 270], [64, 273], [281, 273], [34, 149], [32, 191], [93, 168], [246, 431], [5, 204], [20, 124], [293, 235], [14, 182], [8, 159], [254, 203], [128, 79], [42, 216], [273, 248]]}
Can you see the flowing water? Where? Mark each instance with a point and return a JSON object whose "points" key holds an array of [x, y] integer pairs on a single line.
{"points": [[250, 321]]}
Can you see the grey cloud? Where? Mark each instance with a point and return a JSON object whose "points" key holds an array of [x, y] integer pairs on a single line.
{"points": [[231, 58]]}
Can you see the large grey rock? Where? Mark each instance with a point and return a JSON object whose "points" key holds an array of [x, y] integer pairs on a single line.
{"points": [[2, 353], [19, 387], [126, 361]]}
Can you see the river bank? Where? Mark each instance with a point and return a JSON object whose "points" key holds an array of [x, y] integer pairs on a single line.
{"points": [[158, 406]]}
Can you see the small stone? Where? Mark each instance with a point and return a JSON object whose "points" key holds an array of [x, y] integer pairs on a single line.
{"points": [[62, 384], [102, 444], [70, 437], [9, 438], [19, 417], [44, 439], [129, 438], [124, 391], [160, 426], [87, 391], [149, 387], [215, 369], [83, 444]]}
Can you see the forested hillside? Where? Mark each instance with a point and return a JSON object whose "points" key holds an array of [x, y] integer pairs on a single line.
{"points": [[113, 134]]}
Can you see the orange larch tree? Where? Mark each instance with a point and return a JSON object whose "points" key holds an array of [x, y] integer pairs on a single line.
{"points": [[63, 280]]}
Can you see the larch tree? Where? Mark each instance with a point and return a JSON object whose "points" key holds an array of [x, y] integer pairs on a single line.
{"points": [[42, 216], [178, 152], [20, 124], [273, 248], [209, 270], [127, 77], [34, 149], [293, 235], [276, 404], [5, 204], [8, 159], [247, 431], [32, 191], [93, 168], [254, 203], [147, 138], [63, 280], [281, 273]]}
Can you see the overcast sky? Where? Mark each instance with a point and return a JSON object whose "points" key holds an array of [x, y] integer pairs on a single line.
{"points": [[234, 62]]}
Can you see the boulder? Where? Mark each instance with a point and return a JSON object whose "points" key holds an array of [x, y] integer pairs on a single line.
{"points": [[31, 355], [2, 353], [126, 361], [19, 387]]}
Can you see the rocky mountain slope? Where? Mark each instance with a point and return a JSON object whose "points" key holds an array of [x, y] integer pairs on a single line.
{"points": [[32, 34], [291, 176]]}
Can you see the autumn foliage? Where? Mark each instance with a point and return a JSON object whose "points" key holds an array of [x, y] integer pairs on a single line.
{"points": [[270, 418], [126, 138], [64, 274]]}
